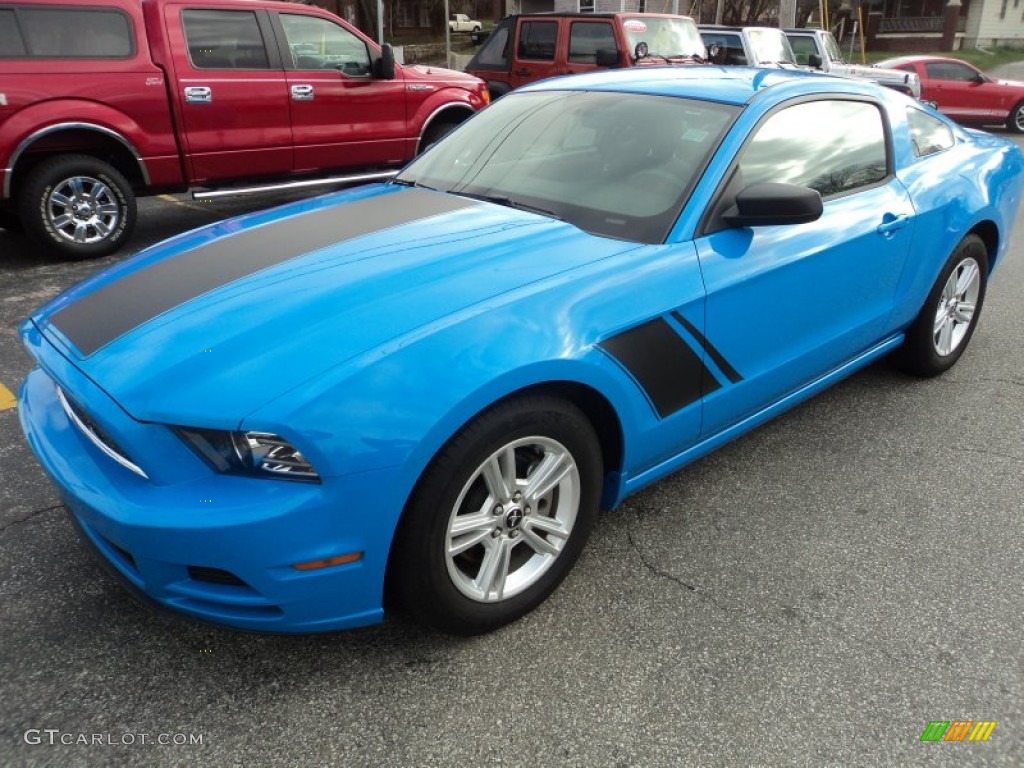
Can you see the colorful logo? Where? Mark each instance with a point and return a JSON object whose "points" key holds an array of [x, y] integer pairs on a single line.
{"points": [[958, 730]]}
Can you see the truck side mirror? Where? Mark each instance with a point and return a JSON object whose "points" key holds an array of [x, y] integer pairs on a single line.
{"points": [[607, 57], [814, 60], [384, 67]]}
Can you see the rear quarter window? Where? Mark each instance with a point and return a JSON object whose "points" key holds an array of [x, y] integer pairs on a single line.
{"points": [[54, 32], [928, 134]]}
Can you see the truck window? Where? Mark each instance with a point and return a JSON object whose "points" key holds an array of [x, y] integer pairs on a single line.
{"points": [[224, 40], [66, 33], [803, 47], [730, 45], [320, 44], [537, 40], [586, 38]]}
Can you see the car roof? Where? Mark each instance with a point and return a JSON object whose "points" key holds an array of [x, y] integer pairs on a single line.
{"points": [[915, 59], [578, 15], [726, 85]]}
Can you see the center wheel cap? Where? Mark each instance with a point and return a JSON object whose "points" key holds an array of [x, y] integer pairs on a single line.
{"points": [[513, 518]]}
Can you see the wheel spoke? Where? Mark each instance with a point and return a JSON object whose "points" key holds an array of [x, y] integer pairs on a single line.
{"points": [[500, 479], [102, 228], [553, 468], [63, 220], [77, 190], [468, 540], [940, 319], [494, 569], [945, 341], [966, 278], [539, 544], [548, 525], [80, 232], [56, 198], [107, 209]]}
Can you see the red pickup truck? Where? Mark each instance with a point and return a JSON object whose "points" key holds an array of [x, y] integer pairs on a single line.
{"points": [[104, 100]]}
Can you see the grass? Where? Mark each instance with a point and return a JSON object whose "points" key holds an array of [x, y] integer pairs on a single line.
{"points": [[984, 60]]}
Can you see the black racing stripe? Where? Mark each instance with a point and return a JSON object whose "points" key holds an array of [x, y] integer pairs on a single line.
{"points": [[662, 362], [116, 308], [723, 365]]}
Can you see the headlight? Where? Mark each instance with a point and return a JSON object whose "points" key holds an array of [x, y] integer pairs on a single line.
{"points": [[256, 454]]}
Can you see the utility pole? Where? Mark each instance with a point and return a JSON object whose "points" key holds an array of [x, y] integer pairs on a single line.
{"points": [[787, 14]]}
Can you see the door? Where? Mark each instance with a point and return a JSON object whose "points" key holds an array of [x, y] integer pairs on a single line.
{"points": [[232, 93], [535, 48], [341, 115], [959, 90], [786, 304], [586, 38]]}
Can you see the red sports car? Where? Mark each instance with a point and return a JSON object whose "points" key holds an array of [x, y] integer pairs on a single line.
{"points": [[965, 93]]}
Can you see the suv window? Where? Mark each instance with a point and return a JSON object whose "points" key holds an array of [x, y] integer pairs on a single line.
{"points": [[65, 33], [832, 146], [730, 47], [586, 38], [224, 40], [494, 53], [803, 46], [928, 134], [318, 44], [537, 40]]}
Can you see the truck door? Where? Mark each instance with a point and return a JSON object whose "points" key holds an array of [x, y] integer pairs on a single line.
{"points": [[231, 90], [342, 116], [535, 49]]}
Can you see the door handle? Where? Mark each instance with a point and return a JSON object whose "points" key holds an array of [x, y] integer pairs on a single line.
{"points": [[302, 93], [891, 223], [199, 94]]}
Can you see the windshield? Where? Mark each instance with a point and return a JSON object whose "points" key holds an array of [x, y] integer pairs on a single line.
{"points": [[667, 37], [770, 46], [612, 164], [832, 48]]}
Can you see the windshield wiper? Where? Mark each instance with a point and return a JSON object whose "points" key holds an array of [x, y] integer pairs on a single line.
{"points": [[508, 202], [411, 183]]}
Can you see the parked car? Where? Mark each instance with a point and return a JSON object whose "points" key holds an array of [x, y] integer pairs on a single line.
{"points": [[427, 388], [964, 92], [526, 48], [818, 49], [101, 102], [748, 46], [460, 22]]}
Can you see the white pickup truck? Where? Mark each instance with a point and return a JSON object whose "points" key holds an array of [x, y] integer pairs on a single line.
{"points": [[460, 22], [818, 49]]}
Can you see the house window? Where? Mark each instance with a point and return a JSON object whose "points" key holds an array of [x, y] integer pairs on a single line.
{"points": [[587, 6]]}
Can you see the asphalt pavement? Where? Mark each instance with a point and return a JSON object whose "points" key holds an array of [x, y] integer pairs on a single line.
{"points": [[814, 593]]}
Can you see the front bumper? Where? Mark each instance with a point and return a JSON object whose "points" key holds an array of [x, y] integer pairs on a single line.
{"points": [[217, 547]]}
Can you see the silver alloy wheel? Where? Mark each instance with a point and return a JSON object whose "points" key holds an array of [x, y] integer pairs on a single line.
{"points": [[83, 209], [955, 312], [512, 519], [1018, 118]]}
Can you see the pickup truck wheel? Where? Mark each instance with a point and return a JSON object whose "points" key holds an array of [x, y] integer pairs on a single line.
{"points": [[77, 206], [1016, 121], [434, 134]]}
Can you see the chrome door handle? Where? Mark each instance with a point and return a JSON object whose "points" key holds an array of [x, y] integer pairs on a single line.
{"points": [[891, 223], [302, 93], [199, 94]]}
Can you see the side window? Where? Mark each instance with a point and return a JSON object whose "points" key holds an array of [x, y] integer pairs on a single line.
{"points": [[803, 47], [320, 44], [587, 38], [11, 43], [537, 40], [949, 70], [730, 48], [224, 40], [928, 134], [494, 53], [834, 147], [66, 33]]}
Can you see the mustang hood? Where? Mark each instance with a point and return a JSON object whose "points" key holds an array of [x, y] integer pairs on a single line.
{"points": [[207, 328]]}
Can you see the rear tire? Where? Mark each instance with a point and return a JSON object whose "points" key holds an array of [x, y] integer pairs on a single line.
{"points": [[499, 517], [1015, 123], [77, 206], [945, 324]]}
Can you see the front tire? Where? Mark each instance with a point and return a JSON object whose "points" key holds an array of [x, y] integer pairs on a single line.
{"points": [[946, 322], [1015, 122], [499, 517], [77, 206]]}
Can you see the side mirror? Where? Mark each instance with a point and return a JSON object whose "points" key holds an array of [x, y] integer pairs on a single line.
{"points": [[979, 78], [814, 60], [607, 57], [384, 67], [770, 203]]}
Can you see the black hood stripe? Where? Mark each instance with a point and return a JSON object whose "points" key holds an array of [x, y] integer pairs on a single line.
{"points": [[115, 309], [663, 364]]}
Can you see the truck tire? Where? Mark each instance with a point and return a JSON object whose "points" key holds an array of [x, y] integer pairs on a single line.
{"points": [[77, 206]]}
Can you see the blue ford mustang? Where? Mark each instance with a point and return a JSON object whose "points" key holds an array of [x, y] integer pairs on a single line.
{"points": [[425, 390]]}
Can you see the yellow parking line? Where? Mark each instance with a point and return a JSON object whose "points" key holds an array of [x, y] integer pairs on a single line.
{"points": [[182, 203], [7, 399]]}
